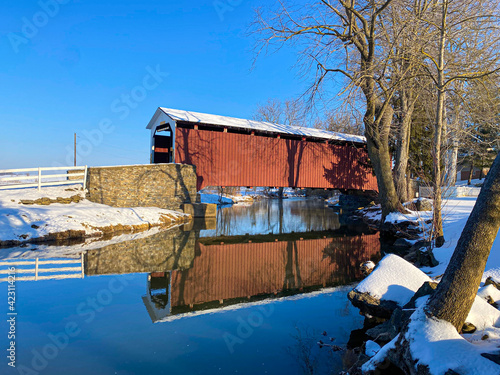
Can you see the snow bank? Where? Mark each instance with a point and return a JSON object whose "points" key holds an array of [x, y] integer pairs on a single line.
{"points": [[436, 343], [21, 222], [393, 279], [225, 198], [489, 291], [483, 315], [396, 217], [432, 341], [215, 199], [456, 211]]}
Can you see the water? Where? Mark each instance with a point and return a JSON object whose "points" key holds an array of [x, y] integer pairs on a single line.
{"points": [[252, 292]]}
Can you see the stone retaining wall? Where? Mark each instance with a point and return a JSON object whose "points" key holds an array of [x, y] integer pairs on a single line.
{"points": [[150, 185], [169, 250]]}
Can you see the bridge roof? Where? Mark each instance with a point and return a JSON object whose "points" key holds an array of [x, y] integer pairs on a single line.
{"points": [[262, 126]]}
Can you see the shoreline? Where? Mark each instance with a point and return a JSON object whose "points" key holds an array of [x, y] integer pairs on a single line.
{"points": [[58, 215]]}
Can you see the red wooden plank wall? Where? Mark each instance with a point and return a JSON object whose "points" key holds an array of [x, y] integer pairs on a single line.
{"points": [[231, 159], [249, 269]]}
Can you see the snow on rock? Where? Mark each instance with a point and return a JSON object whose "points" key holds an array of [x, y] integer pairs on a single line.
{"points": [[395, 218], [333, 200], [489, 291], [393, 279], [483, 315], [371, 348], [379, 358], [437, 344]]}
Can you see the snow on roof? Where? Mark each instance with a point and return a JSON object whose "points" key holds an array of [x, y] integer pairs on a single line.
{"points": [[180, 115]]}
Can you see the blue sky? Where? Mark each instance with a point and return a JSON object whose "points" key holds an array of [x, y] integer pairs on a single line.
{"points": [[68, 67]]}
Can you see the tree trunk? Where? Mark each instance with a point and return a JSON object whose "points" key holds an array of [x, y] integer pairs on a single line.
{"points": [[403, 148], [471, 172], [452, 160], [380, 156], [437, 229], [455, 293]]}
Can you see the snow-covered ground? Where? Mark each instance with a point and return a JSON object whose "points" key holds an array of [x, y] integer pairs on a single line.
{"points": [[433, 342], [22, 222], [225, 199], [456, 211]]}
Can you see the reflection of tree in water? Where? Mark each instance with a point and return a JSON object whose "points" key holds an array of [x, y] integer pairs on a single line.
{"points": [[347, 253], [293, 279], [313, 215], [306, 352]]}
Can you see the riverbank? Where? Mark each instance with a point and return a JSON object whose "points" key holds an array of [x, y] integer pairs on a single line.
{"points": [[395, 289], [58, 214]]}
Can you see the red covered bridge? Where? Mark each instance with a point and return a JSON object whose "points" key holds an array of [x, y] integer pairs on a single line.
{"points": [[229, 151]]}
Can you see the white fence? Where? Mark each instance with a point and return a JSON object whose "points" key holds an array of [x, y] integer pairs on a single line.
{"points": [[37, 269], [16, 180], [450, 192]]}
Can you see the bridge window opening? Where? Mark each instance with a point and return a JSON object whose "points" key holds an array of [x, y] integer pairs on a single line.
{"points": [[158, 288], [163, 145]]}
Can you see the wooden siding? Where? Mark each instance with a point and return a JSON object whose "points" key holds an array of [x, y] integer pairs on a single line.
{"points": [[231, 271], [233, 159]]}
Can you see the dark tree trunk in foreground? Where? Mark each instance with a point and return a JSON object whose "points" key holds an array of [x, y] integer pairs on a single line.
{"points": [[455, 293]]}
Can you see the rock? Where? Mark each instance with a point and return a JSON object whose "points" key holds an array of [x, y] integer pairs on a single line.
{"points": [[401, 242], [386, 331], [421, 243], [371, 306], [406, 229], [492, 302], [421, 256], [63, 200], [367, 267], [355, 202], [468, 328], [427, 288], [419, 204], [490, 281], [43, 201], [423, 204]]}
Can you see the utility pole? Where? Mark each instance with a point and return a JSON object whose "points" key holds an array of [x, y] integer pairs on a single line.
{"points": [[75, 149]]}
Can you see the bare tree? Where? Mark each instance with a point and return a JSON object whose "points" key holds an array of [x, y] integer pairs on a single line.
{"points": [[342, 37], [461, 45], [341, 121], [402, 42], [456, 291], [287, 112]]}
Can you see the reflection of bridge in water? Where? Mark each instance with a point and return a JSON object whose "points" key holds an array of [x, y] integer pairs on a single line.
{"points": [[256, 268], [189, 274]]}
